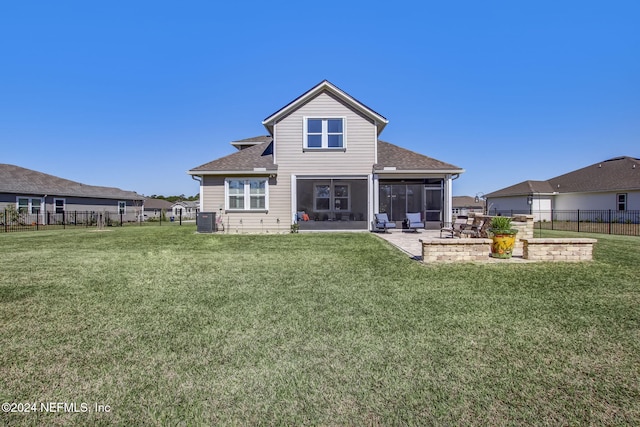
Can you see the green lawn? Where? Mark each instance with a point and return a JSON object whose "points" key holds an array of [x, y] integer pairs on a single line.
{"points": [[169, 327]]}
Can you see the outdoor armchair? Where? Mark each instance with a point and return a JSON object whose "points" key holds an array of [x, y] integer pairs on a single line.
{"points": [[414, 222], [382, 223]]}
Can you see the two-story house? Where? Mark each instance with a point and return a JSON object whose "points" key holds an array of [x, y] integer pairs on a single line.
{"points": [[323, 166]]}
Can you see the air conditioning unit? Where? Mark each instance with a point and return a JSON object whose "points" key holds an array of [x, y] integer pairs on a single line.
{"points": [[206, 222]]}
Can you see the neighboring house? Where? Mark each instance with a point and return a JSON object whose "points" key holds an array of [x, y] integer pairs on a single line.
{"points": [[613, 184], [153, 208], [188, 209], [322, 166], [464, 205], [42, 195]]}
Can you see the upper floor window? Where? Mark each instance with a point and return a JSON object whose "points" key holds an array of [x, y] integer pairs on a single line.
{"points": [[247, 193], [324, 133], [622, 201]]}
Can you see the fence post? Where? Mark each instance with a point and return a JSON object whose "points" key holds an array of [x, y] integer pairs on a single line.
{"points": [[578, 220], [6, 221], [609, 221], [180, 216]]}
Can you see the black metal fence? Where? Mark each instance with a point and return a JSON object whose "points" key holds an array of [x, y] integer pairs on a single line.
{"points": [[12, 220], [588, 221]]}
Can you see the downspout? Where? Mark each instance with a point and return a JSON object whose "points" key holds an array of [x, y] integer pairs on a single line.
{"points": [[199, 179], [43, 211]]}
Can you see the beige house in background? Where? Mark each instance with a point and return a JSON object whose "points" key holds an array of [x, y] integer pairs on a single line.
{"points": [[323, 166]]}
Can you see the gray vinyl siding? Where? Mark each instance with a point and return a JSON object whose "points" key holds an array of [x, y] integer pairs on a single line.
{"points": [[276, 220], [360, 137], [78, 204]]}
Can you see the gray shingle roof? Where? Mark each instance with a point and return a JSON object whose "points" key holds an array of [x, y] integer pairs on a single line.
{"points": [[390, 155], [150, 203], [258, 156], [523, 188], [617, 174], [248, 142], [466, 202], [19, 180]]}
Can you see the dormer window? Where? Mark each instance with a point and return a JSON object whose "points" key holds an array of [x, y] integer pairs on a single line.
{"points": [[324, 133]]}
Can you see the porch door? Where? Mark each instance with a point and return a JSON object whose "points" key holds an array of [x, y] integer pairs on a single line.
{"points": [[433, 203]]}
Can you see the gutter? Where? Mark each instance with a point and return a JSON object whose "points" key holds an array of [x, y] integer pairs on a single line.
{"points": [[259, 172], [456, 172]]}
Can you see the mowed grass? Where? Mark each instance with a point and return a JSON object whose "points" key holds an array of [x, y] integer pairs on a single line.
{"points": [[169, 327]]}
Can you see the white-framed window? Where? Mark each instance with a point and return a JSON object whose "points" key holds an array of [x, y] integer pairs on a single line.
{"points": [[324, 133], [58, 205], [28, 205], [122, 208], [622, 201], [328, 197], [246, 194]]}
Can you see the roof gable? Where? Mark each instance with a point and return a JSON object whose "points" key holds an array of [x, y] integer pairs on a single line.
{"points": [[19, 180], [325, 86]]}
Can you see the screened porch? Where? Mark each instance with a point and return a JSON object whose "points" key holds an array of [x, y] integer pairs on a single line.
{"points": [[331, 204]]}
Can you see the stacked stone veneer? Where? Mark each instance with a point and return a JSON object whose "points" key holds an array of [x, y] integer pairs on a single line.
{"points": [[524, 225], [558, 249], [455, 250], [527, 247]]}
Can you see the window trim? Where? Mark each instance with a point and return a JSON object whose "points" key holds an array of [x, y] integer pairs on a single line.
{"points": [[29, 207], [246, 194], [324, 146], [623, 203], [55, 205]]}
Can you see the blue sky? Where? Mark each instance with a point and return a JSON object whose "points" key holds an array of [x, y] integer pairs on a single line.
{"points": [[133, 94]]}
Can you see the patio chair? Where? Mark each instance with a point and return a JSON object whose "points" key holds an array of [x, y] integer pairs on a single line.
{"points": [[474, 229], [413, 221], [454, 229], [382, 223], [484, 230]]}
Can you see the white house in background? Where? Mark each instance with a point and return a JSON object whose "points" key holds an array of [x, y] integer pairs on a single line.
{"points": [[323, 166], [612, 184], [153, 208], [188, 209]]}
